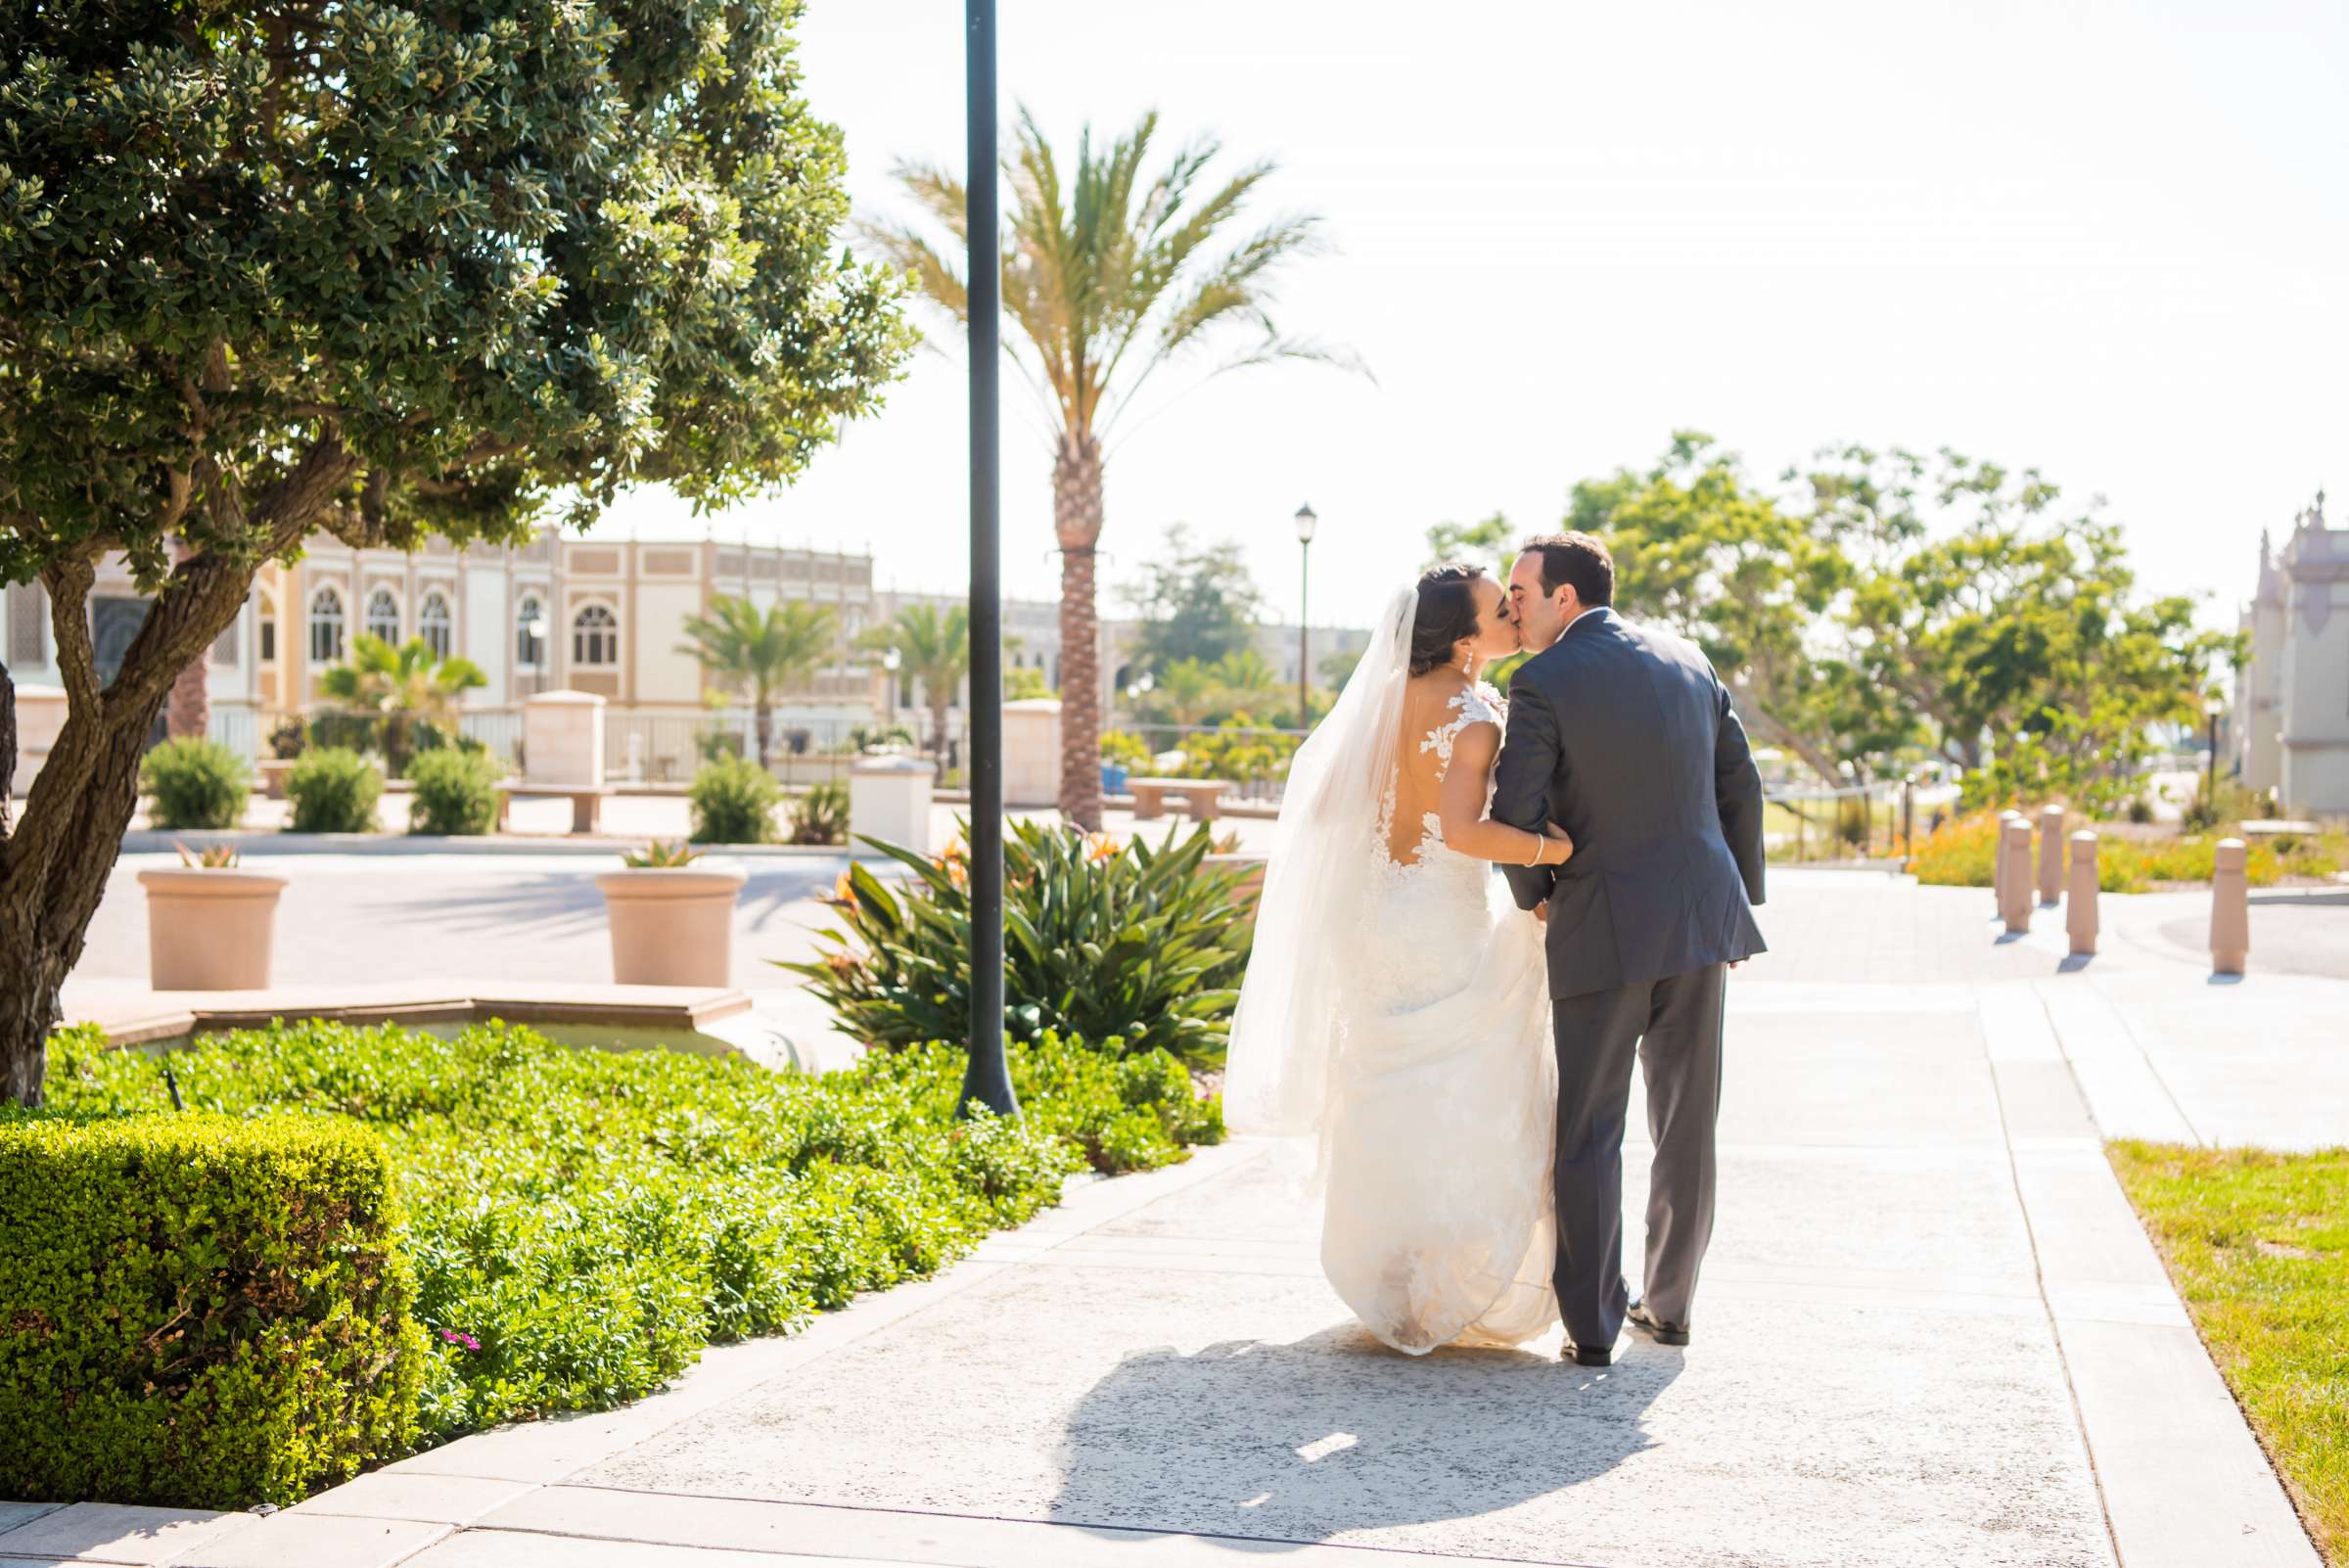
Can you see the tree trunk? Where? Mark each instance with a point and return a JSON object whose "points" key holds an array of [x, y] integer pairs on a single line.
{"points": [[53, 875], [937, 732], [1076, 520], [763, 722], [8, 744]]}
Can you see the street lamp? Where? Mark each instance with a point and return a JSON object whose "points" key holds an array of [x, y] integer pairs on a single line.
{"points": [[987, 1076], [891, 659], [538, 630], [2212, 708], [1305, 524]]}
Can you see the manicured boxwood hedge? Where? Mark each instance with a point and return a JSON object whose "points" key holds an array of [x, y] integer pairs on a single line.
{"points": [[200, 1311], [583, 1221]]}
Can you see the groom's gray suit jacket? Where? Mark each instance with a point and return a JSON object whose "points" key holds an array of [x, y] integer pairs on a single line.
{"points": [[1625, 738]]}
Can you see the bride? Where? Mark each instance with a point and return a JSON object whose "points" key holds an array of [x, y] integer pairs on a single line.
{"points": [[1395, 1007]]}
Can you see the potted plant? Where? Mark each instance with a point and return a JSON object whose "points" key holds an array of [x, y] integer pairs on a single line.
{"points": [[210, 924], [673, 920]]}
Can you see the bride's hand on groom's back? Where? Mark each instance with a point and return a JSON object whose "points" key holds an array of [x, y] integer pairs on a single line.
{"points": [[1558, 835]]}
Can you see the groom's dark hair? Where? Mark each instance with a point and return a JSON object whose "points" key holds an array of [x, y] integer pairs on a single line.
{"points": [[1579, 559]]}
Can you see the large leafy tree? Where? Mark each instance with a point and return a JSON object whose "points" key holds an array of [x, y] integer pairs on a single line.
{"points": [[934, 647], [1196, 602], [1889, 606], [376, 271], [1704, 551], [760, 652], [1111, 273]]}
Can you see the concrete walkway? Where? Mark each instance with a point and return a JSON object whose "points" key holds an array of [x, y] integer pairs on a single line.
{"points": [[1930, 1332]]}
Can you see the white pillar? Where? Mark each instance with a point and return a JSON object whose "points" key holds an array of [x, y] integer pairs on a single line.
{"points": [[889, 799], [563, 738]]}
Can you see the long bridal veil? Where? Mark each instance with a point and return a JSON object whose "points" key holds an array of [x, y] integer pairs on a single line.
{"points": [[1284, 1033]]}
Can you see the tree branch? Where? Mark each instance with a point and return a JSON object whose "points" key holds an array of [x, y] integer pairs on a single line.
{"points": [[69, 583]]}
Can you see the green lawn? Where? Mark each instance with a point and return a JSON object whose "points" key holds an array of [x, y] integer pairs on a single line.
{"points": [[2258, 1244]]}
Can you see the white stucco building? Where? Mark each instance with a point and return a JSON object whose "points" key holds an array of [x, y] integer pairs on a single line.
{"points": [[2292, 697]]}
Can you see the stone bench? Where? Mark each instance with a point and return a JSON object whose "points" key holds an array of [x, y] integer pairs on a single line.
{"points": [[1201, 796], [587, 802]]}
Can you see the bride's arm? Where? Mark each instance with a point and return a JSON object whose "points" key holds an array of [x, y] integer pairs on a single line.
{"points": [[1461, 807]]}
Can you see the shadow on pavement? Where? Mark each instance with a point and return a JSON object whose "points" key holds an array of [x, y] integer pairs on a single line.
{"points": [[1288, 1445]]}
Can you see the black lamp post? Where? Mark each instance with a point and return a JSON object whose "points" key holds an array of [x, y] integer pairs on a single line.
{"points": [[1306, 523], [987, 1081], [2212, 708]]}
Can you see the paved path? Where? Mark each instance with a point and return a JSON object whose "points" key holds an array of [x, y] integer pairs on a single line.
{"points": [[1931, 1332]]}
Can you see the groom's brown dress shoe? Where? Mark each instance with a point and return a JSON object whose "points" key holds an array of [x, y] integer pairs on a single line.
{"points": [[1662, 1332], [1586, 1356]]}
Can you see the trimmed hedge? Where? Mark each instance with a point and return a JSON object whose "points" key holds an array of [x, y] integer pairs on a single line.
{"points": [[333, 791], [456, 791], [733, 801], [584, 1221], [200, 1311], [192, 782]]}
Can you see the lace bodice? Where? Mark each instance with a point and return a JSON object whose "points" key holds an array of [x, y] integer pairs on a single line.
{"points": [[1427, 914]]}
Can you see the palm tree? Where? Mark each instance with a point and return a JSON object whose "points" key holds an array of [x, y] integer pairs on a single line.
{"points": [[1187, 688], [401, 686], [766, 652], [1109, 276], [1244, 672], [932, 647]]}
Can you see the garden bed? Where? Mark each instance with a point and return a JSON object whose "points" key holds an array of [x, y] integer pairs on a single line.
{"points": [[581, 1223], [2258, 1247]]}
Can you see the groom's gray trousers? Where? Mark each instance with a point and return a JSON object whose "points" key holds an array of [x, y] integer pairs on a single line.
{"points": [[1674, 1025]]}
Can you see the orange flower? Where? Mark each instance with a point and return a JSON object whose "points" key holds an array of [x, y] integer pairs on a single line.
{"points": [[1100, 846], [843, 964], [844, 890], [959, 873]]}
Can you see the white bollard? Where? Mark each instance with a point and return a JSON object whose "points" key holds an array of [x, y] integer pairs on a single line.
{"points": [[2016, 902], [889, 799], [2051, 852], [1998, 866], [2080, 913], [2230, 909]]}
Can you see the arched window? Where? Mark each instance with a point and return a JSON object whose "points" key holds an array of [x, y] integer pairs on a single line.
{"points": [[382, 616], [437, 625], [326, 628], [267, 628], [529, 633], [595, 636]]}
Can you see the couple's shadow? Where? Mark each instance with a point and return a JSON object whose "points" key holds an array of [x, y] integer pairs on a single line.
{"points": [[1290, 1444]]}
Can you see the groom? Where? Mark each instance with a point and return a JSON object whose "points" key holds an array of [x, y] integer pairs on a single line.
{"points": [[1625, 737]]}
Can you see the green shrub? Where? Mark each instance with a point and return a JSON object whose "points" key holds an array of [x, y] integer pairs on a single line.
{"points": [[333, 791], [583, 1221], [201, 1310], [1126, 945], [347, 732], [194, 783], [821, 815], [456, 791], [733, 802], [1124, 748]]}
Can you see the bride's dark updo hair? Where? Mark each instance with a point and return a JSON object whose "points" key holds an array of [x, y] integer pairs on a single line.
{"points": [[1447, 614]]}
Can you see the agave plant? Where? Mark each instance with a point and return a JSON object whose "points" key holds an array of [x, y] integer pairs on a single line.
{"points": [[212, 857], [1131, 947], [661, 855]]}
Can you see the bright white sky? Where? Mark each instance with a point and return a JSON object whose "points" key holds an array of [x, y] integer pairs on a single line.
{"points": [[2104, 238]]}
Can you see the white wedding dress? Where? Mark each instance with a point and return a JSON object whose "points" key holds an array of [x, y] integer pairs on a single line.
{"points": [[1398, 1012]]}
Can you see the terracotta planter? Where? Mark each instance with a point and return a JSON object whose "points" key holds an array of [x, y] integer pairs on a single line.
{"points": [[671, 926], [1252, 882], [210, 930]]}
